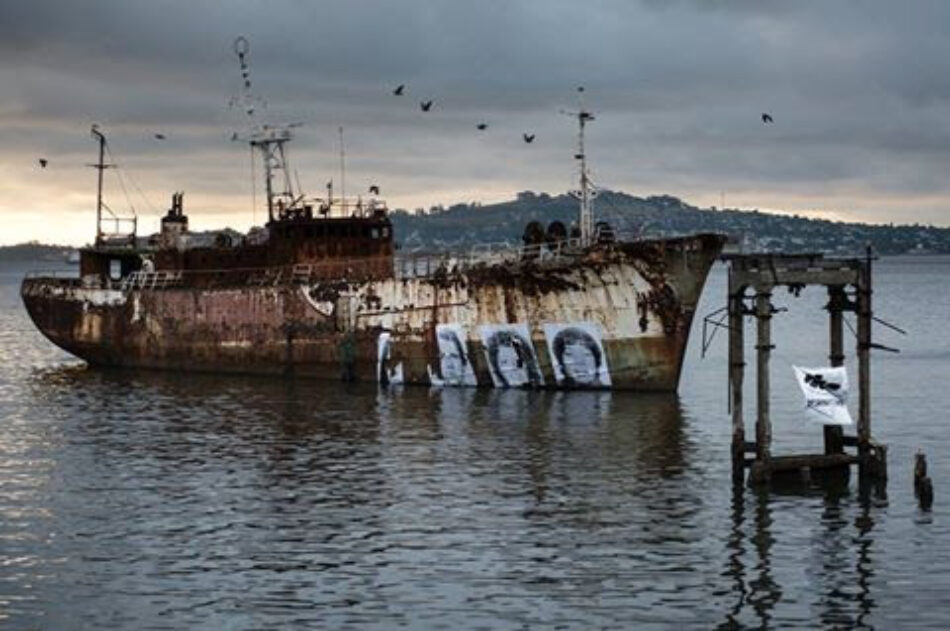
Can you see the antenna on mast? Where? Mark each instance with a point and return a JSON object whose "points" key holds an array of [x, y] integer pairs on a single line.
{"points": [[587, 193], [342, 173]]}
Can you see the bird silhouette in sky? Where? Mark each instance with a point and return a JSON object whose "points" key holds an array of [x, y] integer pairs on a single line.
{"points": [[767, 118], [426, 105], [399, 89], [528, 138], [482, 126], [374, 189], [159, 136], [43, 163]]}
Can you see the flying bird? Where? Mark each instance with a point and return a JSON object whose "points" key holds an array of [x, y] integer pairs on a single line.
{"points": [[399, 89], [159, 136], [482, 126], [43, 163], [529, 138], [374, 189], [767, 118], [426, 105]]}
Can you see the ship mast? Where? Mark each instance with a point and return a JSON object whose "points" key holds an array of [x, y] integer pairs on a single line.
{"points": [[342, 175], [268, 139], [100, 166], [104, 236], [587, 193]]}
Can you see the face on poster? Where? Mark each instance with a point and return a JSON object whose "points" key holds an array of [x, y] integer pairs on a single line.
{"points": [[454, 362], [387, 371], [510, 355], [577, 354]]}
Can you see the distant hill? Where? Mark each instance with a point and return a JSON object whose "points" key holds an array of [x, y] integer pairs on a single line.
{"points": [[463, 225], [34, 251]]}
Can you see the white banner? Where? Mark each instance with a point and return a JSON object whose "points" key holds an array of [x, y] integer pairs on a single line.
{"points": [[826, 394]]}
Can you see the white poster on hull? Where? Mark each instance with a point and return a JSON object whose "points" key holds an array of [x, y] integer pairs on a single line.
{"points": [[826, 394], [577, 355], [387, 371], [510, 354], [455, 365]]}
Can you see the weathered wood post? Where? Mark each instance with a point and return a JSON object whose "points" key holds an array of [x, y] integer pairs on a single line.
{"points": [[736, 373], [834, 434], [763, 422], [864, 363]]}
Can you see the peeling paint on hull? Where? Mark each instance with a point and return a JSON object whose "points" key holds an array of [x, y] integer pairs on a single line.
{"points": [[640, 297]]}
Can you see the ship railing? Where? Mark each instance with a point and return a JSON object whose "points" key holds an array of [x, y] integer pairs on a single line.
{"points": [[64, 274], [150, 280], [425, 265], [500, 252], [303, 273], [348, 207], [421, 265]]}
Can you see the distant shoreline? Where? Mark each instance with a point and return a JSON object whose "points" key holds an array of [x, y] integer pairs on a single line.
{"points": [[35, 253]]}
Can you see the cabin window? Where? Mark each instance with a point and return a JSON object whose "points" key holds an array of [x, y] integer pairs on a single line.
{"points": [[115, 269], [385, 232], [374, 233]]}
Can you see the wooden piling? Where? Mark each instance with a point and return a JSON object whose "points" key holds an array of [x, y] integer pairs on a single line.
{"points": [[763, 347], [834, 434], [920, 471], [736, 374], [864, 363]]}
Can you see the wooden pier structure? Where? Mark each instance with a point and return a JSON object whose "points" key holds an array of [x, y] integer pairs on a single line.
{"points": [[752, 279]]}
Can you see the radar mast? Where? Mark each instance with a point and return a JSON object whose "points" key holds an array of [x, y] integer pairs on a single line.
{"points": [[587, 192], [270, 140]]}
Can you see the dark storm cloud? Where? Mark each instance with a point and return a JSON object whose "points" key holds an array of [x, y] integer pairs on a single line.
{"points": [[858, 90]]}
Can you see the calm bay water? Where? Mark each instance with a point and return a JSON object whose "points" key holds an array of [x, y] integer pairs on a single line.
{"points": [[164, 501]]}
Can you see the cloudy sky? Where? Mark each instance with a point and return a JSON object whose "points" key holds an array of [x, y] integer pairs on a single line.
{"points": [[859, 92]]}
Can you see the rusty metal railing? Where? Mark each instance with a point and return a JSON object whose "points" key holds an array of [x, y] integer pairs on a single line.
{"points": [[150, 280], [404, 266]]}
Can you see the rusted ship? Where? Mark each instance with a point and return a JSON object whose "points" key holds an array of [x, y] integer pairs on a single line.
{"points": [[321, 291]]}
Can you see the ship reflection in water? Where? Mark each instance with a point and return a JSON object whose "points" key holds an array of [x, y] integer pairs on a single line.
{"points": [[227, 502]]}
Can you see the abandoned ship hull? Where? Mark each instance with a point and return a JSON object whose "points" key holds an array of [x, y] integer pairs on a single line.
{"points": [[618, 318]]}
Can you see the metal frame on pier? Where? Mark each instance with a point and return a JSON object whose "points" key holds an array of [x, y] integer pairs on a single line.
{"points": [[848, 282]]}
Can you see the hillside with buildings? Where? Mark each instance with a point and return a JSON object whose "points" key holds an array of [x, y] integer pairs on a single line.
{"points": [[463, 225]]}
